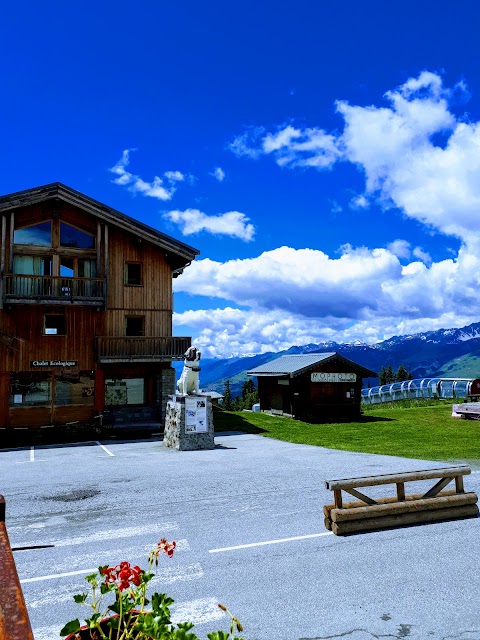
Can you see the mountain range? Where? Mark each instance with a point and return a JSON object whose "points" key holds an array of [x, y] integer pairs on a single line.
{"points": [[449, 353]]}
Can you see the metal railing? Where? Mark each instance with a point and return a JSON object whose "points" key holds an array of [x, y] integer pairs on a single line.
{"points": [[141, 349], [53, 288]]}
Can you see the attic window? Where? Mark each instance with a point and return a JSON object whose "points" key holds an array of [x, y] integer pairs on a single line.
{"points": [[35, 234], [72, 237]]}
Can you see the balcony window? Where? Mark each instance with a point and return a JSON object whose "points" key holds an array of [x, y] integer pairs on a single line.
{"points": [[125, 392], [133, 274], [35, 234], [54, 324], [72, 237], [134, 325]]}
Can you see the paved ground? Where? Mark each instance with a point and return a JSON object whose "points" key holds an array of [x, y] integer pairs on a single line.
{"points": [[100, 503]]}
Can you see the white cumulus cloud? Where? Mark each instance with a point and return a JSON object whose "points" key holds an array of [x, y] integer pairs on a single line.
{"points": [[296, 296], [159, 188], [219, 174], [415, 154], [231, 223]]}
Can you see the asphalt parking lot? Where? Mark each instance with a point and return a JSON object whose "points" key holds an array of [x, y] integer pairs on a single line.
{"points": [[248, 522]]}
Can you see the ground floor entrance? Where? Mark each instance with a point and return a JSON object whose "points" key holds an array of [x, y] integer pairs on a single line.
{"points": [[66, 395]]}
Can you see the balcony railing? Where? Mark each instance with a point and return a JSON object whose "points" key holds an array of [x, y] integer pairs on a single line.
{"points": [[25, 288], [141, 349]]}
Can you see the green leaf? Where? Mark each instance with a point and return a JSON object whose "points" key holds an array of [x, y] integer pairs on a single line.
{"points": [[80, 598], [71, 627]]}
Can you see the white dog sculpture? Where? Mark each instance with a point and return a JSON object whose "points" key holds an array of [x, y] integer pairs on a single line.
{"points": [[188, 384]]}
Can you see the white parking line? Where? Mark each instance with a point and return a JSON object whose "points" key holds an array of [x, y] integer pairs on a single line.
{"points": [[32, 454], [105, 449], [58, 575], [261, 544]]}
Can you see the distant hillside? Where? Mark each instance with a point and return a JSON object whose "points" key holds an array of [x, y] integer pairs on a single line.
{"points": [[447, 352]]}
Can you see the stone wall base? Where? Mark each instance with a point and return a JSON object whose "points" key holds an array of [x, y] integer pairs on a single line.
{"points": [[179, 430]]}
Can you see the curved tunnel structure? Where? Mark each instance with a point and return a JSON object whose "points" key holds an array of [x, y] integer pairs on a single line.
{"points": [[422, 388]]}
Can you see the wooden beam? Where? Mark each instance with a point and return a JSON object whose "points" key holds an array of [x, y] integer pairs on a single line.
{"points": [[422, 517], [437, 487], [355, 505], [400, 491], [105, 264], [396, 508], [12, 229], [409, 476], [99, 248], [2, 260], [360, 496]]}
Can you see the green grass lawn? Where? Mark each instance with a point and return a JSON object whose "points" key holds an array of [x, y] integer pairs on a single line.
{"points": [[427, 432]]}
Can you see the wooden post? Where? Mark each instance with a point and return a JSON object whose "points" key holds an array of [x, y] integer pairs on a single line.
{"points": [[12, 230], [459, 484], [338, 498], [105, 264], [2, 260], [400, 491]]}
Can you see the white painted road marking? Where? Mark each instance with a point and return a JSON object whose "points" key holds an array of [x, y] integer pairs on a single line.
{"points": [[32, 454], [280, 540], [105, 449], [197, 611], [58, 575], [113, 534]]}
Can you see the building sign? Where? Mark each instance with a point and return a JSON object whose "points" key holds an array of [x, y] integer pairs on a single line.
{"points": [[195, 415], [54, 363], [334, 377]]}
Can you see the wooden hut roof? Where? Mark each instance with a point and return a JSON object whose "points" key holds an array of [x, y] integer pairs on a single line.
{"points": [[294, 365], [181, 254]]}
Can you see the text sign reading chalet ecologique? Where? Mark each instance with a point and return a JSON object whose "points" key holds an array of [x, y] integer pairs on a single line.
{"points": [[54, 363], [334, 377]]}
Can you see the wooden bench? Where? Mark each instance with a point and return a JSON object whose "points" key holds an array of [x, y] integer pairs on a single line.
{"points": [[368, 514], [14, 621]]}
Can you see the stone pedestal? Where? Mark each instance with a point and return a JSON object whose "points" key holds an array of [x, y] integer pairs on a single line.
{"points": [[189, 423]]}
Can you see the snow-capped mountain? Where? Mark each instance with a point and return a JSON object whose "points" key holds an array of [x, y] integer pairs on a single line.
{"points": [[445, 352]]}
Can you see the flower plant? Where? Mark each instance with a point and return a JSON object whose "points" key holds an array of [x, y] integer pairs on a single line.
{"points": [[131, 615]]}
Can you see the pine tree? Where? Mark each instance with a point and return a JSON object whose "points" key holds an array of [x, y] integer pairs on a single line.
{"points": [[382, 377], [389, 375], [227, 402], [402, 374]]}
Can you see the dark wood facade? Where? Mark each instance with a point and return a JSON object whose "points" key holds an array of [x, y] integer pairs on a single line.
{"points": [[295, 392], [85, 309]]}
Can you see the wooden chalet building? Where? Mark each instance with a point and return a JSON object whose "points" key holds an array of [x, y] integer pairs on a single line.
{"points": [[314, 386], [85, 311]]}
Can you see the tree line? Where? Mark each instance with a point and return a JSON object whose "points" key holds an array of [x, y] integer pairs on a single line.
{"points": [[246, 400], [387, 375]]}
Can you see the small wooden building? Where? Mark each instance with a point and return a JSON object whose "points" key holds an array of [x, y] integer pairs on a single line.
{"points": [[317, 386], [85, 311]]}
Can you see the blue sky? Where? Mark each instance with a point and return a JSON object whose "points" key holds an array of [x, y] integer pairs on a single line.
{"points": [[324, 157]]}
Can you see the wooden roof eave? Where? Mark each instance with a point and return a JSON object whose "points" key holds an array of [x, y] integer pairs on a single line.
{"points": [[59, 191]]}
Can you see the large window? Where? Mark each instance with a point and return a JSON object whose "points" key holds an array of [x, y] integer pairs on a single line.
{"points": [[74, 390], [126, 391], [35, 234], [30, 389], [72, 237]]}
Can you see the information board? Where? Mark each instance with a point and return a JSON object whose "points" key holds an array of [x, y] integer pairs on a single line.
{"points": [[195, 415]]}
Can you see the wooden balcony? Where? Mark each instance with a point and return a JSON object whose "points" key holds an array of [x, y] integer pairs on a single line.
{"points": [[140, 349], [24, 289]]}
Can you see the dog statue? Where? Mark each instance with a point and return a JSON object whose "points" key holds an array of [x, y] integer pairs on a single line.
{"points": [[188, 384]]}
